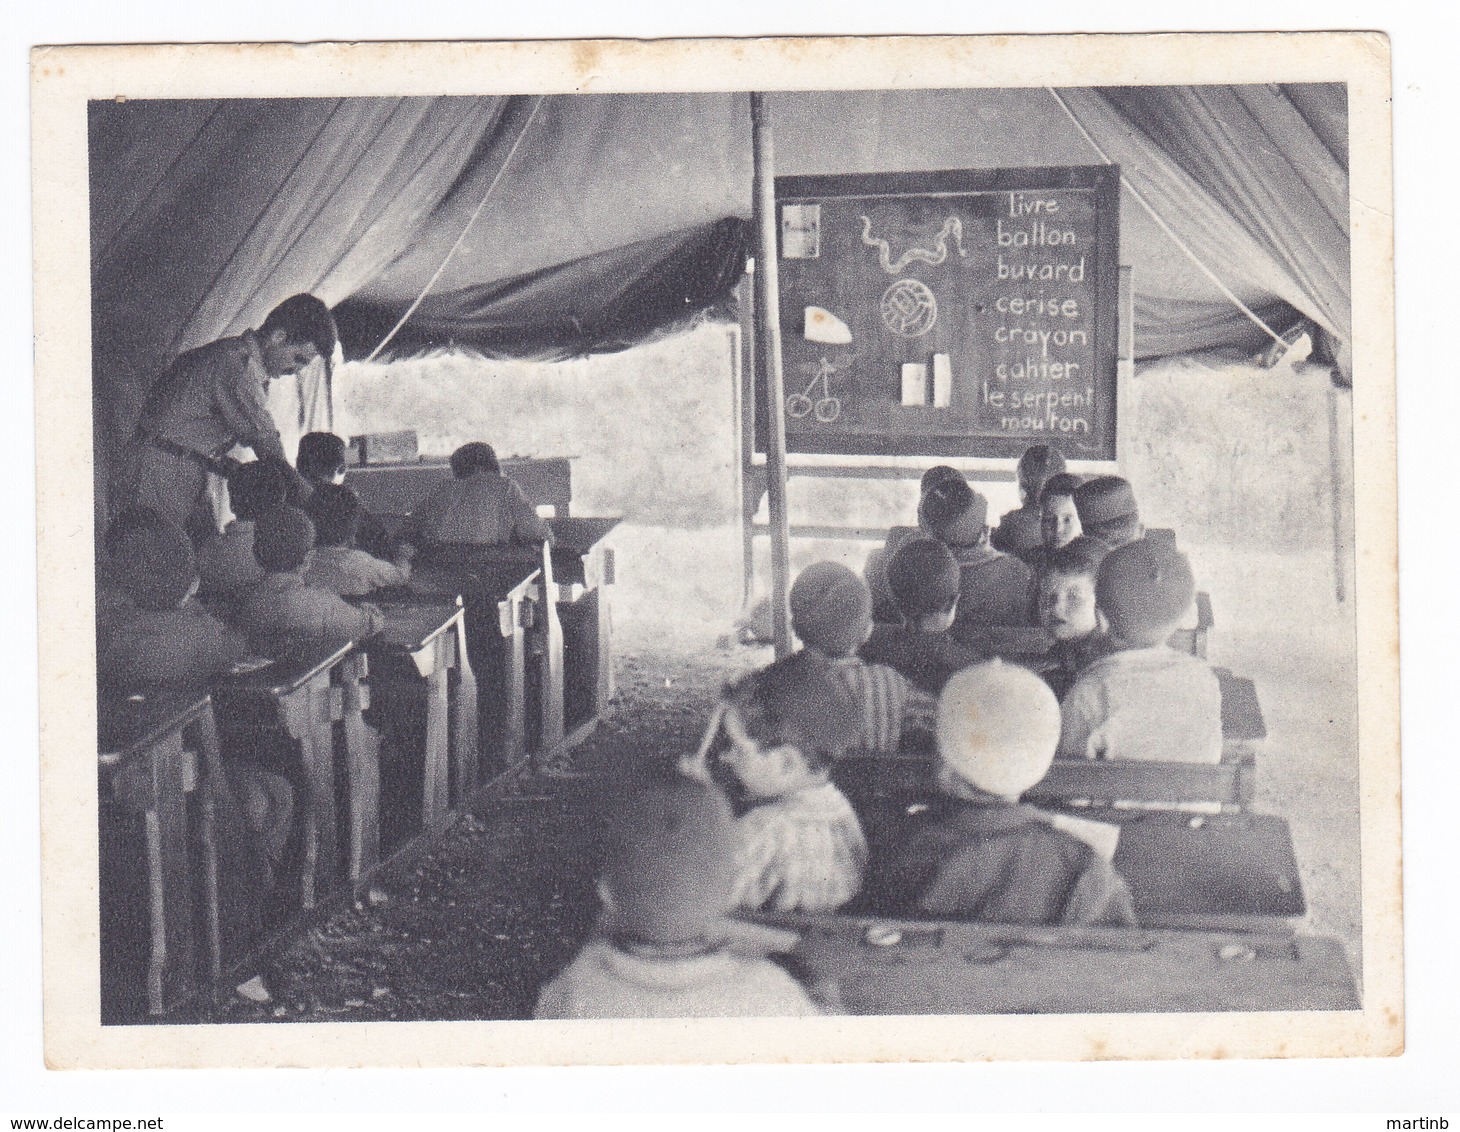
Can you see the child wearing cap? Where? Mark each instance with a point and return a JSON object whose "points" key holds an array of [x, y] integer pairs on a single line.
{"points": [[993, 588], [1144, 700], [1107, 509], [338, 565], [884, 605], [924, 579], [800, 845], [1067, 611], [664, 948], [478, 506], [831, 611], [1019, 530], [226, 565], [282, 605], [981, 855]]}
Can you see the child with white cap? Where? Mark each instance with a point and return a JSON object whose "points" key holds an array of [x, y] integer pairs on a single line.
{"points": [[664, 947], [980, 854], [1143, 699]]}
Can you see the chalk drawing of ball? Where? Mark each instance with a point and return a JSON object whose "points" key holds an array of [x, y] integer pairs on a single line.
{"points": [[909, 309]]}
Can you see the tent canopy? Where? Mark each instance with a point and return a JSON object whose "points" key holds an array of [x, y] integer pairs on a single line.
{"points": [[577, 222]]}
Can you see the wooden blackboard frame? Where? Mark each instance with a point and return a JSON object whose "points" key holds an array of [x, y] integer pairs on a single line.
{"points": [[1103, 181]]}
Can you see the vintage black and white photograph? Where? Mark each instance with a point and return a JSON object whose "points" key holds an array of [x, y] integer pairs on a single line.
{"points": [[689, 543]]}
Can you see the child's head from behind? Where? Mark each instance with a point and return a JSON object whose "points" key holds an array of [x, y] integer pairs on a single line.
{"points": [[256, 487], [787, 724], [1038, 463], [955, 514], [669, 871], [335, 512], [923, 577], [1107, 510], [998, 728], [938, 473], [1067, 589], [475, 457], [153, 558], [283, 540], [1059, 521], [321, 457], [831, 609], [1142, 591]]}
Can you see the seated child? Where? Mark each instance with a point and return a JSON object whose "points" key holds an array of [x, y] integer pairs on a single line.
{"points": [[226, 563], [281, 605], [1143, 700], [1067, 611], [980, 854], [479, 506], [1059, 522], [321, 460], [338, 565], [993, 588], [924, 580], [801, 847], [1107, 509], [664, 948], [884, 607], [1019, 531], [162, 640], [831, 611]]}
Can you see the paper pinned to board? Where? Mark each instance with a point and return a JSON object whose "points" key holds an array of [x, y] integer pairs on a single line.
{"points": [[914, 383], [823, 326], [942, 381]]}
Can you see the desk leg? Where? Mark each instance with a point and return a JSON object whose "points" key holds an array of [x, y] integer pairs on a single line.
{"points": [[464, 737], [362, 763], [307, 719], [551, 747], [205, 735], [170, 878], [605, 628], [434, 803]]}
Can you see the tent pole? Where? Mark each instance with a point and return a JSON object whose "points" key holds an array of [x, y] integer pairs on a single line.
{"points": [[768, 363]]}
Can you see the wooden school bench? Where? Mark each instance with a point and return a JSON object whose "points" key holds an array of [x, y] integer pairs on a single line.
{"points": [[421, 678], [153, 751], [304, 692], [890, 966]]}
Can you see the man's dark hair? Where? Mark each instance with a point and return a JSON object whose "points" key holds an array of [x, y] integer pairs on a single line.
{"points": [[257, 486], [474, 457], [303, 318], [321, 455], [335, 512]]}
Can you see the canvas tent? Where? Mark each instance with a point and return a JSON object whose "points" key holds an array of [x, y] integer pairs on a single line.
{"points": [[576, 222]]}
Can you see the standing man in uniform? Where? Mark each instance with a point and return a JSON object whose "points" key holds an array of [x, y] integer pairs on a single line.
{"points": [[213, 398]]}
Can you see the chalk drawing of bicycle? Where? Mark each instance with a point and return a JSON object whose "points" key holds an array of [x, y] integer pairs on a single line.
{"points": [[826, 407]]}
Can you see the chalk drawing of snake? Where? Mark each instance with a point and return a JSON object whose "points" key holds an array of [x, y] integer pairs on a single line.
{"points": [[952, 226]]}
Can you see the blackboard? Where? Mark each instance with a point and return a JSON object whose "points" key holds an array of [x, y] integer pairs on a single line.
{"points": [[956, 313]]}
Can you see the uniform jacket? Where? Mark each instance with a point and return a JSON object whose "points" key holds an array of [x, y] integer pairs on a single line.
{"points": [[281, 605], [226, 564], [1001, 862], [1144, 703], [212, 398], [924, 659], [993, 588], [803, 852], [349, 572], [606, 980], [486, 509]]}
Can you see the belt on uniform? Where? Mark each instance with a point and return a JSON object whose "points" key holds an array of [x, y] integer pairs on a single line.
{"points": [[218, 465]]}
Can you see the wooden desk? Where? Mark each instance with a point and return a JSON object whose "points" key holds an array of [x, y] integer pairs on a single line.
{"points": [[583, 569], [956, 968], [428, 638], [309, 688], [397, 488], [147, 747]]}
